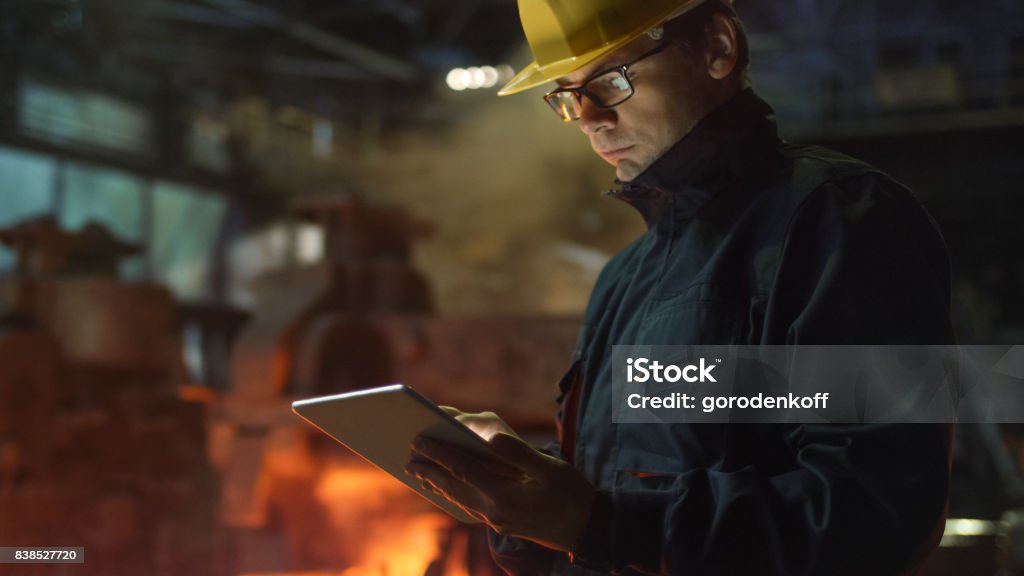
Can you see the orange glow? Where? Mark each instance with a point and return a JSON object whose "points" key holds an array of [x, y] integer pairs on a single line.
{"points": [[407, 548], [318, 573], [387, 528], [200, 394]]}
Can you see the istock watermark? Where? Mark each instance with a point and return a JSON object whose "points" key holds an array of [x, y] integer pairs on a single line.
{"points": [[645, 369], [817, 384]]}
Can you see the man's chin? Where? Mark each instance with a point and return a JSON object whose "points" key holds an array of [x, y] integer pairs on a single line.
{"points": [[627, 170]]}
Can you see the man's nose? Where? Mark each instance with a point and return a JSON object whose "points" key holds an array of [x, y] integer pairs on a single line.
{"points": [[594, 118]]}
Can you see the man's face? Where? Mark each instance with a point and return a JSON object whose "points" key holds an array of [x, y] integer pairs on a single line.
{"points": [[672, 93]]}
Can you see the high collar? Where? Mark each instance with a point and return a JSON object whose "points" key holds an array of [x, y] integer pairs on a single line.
{"points": [[735, 145]]}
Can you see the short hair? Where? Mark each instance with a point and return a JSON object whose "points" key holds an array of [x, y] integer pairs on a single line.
{"points": [[690, 30]]}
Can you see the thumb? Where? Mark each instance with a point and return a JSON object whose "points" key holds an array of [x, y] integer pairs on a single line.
{"points": [[515, 451]]}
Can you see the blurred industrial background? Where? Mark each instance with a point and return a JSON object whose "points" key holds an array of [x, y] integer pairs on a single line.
{"points": [[211, 207]]}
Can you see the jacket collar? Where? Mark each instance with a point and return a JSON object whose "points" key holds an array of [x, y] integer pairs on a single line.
{"points": [[736, 145]]}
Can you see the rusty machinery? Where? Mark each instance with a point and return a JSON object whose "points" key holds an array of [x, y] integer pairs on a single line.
{"points": [[101, 445], [97, 448], [360, 317]]}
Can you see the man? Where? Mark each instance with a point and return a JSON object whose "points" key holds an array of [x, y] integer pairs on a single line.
{"points": [[750, 241]]}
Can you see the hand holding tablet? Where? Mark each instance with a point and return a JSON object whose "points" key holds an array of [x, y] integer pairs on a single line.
{"points": [[503, 481]]}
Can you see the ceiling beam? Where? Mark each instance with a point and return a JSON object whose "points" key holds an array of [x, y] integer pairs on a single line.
{"points": [[185, 12], [363, 56], [200, 57]]}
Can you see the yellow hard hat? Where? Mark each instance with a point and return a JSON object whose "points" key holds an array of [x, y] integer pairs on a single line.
{"points": [[566, 35]]}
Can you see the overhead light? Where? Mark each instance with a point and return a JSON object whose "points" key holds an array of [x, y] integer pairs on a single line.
{"points": [[490, 76], [505, 73], [458, 79], [475, 77]]}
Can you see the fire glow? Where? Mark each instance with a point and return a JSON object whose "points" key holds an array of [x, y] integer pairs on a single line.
{"points": [[384, 528]]}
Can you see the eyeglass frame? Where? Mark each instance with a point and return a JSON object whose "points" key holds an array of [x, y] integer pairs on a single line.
{"points": [[580, 91]]}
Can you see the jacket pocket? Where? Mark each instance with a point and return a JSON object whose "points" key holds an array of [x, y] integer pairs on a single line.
{"points": [[631, 480], [686, 320], [640, 469]]}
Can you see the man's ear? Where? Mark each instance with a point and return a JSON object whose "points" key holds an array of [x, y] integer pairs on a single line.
{"points": [[722, 47]]}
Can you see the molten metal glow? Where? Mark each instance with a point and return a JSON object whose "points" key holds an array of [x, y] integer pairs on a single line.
{"points": [[386, 527]]}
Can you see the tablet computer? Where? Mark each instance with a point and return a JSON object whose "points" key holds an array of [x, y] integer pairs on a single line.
{"points": [[380, 425]]}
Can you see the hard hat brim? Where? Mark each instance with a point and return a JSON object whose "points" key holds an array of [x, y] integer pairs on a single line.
{"points": [[534, 74]]}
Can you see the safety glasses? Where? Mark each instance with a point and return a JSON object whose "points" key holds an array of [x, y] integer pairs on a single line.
{"points": [[607, 89]]}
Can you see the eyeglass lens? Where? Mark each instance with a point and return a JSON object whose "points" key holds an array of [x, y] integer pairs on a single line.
{"points": [[607, 90], [565, 105], [610, 89]]}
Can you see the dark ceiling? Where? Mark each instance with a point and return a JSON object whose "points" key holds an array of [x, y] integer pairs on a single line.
{"points": [[318, 54]]}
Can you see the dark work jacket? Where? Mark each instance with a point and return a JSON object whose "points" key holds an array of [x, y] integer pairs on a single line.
{"points": [[752, 240]]}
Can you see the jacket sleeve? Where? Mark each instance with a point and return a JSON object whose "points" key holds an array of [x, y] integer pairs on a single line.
{"points": [[518, 557], [861, 263]]}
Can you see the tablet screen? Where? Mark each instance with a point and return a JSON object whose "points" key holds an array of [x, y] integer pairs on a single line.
{"points": [[380, 425]]}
